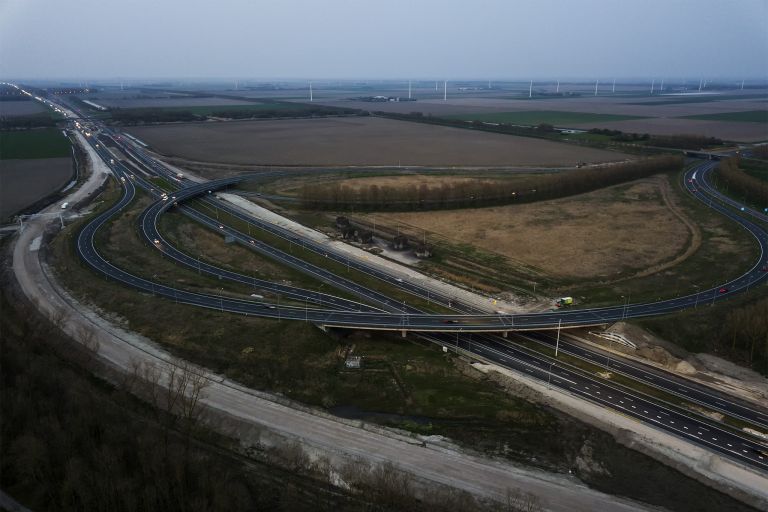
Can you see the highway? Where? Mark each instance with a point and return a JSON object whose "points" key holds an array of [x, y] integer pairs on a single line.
{"points": [[462, 327]]}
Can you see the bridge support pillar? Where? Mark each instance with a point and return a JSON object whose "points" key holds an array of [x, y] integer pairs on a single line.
{"points": [[403, 333]]}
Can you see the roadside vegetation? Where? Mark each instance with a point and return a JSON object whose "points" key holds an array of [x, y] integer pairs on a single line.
{"points": [[73, 441], [403, 383], [736, 330], [750, 187]]}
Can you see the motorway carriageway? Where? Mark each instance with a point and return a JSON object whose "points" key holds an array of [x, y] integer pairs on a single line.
{"points": [[503, 353]]}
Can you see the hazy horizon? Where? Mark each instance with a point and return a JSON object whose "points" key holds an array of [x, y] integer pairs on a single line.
{"points": [[347, 40]]}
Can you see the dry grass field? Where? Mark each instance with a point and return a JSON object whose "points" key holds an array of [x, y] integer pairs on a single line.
{"points": [[358, 141], [20, 108], [22, 182], [621, 229], [292, 187]]}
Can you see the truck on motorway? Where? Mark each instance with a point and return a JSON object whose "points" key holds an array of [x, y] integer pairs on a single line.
{"points": [[564, 301], [64, 206]]}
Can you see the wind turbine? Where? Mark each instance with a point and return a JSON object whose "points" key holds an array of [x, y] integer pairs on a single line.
{"points": [[613, 89], [530, 90], [596, 82], [557, 91], [653, 82], [445, 90], [310, 92]]}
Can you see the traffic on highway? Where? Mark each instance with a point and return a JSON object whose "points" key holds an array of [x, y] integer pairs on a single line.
{"points": [[469, 331]]}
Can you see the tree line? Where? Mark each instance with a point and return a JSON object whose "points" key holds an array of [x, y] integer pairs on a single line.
{"points": [[745, 331], [482, 192], [71, 441], [740, 184]]}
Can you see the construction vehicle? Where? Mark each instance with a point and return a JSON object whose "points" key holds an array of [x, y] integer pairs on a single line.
{"points": [[564, 301]]}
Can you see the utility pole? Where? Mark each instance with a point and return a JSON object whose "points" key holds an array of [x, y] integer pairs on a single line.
{"points": [[557, 343]]}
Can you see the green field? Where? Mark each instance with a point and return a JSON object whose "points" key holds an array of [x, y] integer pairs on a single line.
{"points": [[694, 98], [536, 117], [749, 116], [44, 143]]}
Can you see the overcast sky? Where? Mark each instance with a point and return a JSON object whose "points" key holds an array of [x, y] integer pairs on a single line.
{"points": [[443, 39]]}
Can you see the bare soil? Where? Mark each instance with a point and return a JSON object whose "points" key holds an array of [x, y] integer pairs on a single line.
{"points": [[358, 141], [594, 235], [24, 181]]}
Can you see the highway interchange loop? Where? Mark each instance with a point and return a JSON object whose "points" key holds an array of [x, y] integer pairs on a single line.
{"points": [[466, 332]]}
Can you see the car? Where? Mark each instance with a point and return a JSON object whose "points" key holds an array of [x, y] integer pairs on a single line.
{"points": [[257, 296], [722, 290], [450, 321], [157, 241], [270, 307], [253, 242], [399, 280], [765, 268], [221, 226]]}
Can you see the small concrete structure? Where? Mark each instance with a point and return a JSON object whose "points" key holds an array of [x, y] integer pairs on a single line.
{"points": [[354, 362], [400, 243]]}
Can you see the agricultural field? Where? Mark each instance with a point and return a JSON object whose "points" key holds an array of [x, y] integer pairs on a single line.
{"points": [[20, 108], [39, 143], [358, 141], [748, 116], [553, 117], [25, 181], [171, 102], [661, 115]]}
